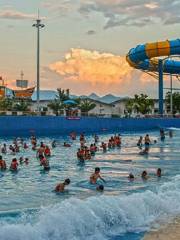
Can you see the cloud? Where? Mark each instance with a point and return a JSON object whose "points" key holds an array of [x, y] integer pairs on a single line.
{"points": [[120, 12], [15, 15], [85, 71], [91, 32], [61, 8]]}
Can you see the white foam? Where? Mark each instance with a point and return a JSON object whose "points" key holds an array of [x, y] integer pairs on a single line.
{"points": [[98, 217]]}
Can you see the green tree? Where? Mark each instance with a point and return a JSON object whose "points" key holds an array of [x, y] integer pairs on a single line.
{"points": [[62, 95], [85, 106], [140, 104], [21, 105], [6, 104], [56, 106], [176, 102]]}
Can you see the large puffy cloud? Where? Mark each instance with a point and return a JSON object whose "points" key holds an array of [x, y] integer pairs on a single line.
{"points": [[85, 71]]}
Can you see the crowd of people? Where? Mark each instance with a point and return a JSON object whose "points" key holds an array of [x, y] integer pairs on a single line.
{"points": [[85, 152]]}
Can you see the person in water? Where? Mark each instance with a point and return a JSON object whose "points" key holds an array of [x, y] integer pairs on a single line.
{"points": [[144, 175], [162, 134], [61, 186], [44, 162], [158, 173], [47, 151], [2, 164], [170, 133], [131, 177], [94, 177], [66, 144], [14, 165], [140, 142], [147, 140], [100, 188]]}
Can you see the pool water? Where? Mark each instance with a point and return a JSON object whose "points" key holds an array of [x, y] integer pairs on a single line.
{"points": [[30, 209]]}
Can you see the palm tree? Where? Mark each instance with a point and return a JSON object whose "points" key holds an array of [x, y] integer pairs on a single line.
{"points": [[6, 104], [85, 106], [56, 106], [140, 103], [21, 105]]}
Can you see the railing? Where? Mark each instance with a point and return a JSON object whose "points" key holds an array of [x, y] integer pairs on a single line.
{"points": [[47, 113]]}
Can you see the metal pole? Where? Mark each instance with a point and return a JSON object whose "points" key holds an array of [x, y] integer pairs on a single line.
{"points": [[171, 96], [38, 63], [160, 68], [38, 25]]}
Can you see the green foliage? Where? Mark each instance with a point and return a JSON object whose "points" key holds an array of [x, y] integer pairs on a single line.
{"points": [[140, 104], [57, 105], [62, 95], [21, 105], [85, 106], [6, 104], [176, 101]]}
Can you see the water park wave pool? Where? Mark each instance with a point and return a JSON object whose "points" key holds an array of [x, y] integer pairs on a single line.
{"points": [[30, 209]]}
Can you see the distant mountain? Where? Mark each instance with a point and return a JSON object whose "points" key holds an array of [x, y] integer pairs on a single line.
{"points": [[94, 96], [47, 95], [109, 98]]}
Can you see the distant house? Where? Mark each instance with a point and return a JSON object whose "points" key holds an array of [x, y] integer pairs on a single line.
{"points": [[101, 109], [45, 97]]}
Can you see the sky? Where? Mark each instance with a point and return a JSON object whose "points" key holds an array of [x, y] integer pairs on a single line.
{"points": [[84, 43]]}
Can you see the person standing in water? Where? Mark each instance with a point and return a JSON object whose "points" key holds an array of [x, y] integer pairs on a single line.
{"points": [[94, 177]]}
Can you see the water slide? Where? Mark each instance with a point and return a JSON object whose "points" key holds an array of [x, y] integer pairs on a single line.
{"points": [[145, 57]]}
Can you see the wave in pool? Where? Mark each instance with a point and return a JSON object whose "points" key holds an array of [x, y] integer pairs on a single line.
{"points": [[99, 217]]}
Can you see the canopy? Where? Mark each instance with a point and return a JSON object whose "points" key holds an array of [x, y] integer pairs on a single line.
{"points": [[70, 102]]}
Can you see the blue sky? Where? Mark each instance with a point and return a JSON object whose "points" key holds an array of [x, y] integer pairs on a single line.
{"points": [[80, 35]]}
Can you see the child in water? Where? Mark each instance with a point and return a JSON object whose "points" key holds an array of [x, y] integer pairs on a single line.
{"points": [[61, 186], [94, 177]]}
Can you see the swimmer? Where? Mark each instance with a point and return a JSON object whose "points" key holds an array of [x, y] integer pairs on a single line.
{"points": [[2, 164], [66, 144], [44, 162], [26, 161], [162, 134], [94, 177], [54, 144], [21, 160], [25, 146], [14, 165], [47, 151], [147, 140], [131, 177], [158, 173], [139, 143], [170, 133], [144, 175], [61, 186], [100, 188]]}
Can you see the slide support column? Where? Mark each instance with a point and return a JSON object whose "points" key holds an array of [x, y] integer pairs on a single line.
{"points": [[160, 68]]}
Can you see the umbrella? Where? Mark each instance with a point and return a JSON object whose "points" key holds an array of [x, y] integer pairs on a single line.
{"points": [[69, 102]]}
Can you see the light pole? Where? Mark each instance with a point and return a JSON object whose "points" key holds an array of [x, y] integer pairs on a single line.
{"points": [[38, 25]]}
